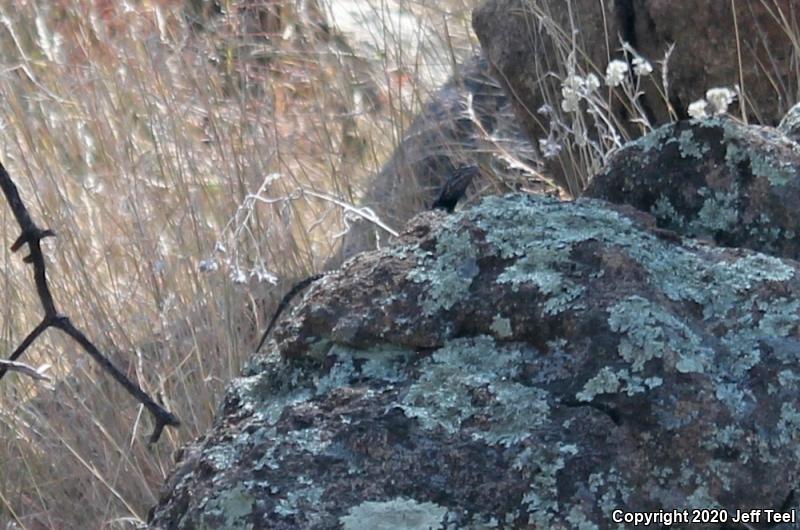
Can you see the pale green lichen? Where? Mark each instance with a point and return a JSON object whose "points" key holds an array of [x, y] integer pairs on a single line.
{"points": [[381, 362], [648, 331], [228, 509], [657, 139], [541, 501], [398, 514], [788, 378], [725, 436], [702, 499], [448, 272], [536, 269], [745, 272], [301, 500], [579, 521], [440, 398], [615, 491], [734, 397], [541, 244], [719, 213], [776, 173], [269, 393], [780, 316], [667, 214], [789, 425], [689, 148], [767, 234], [718, 286], [607, 381], [502, 327], [762, 164]]}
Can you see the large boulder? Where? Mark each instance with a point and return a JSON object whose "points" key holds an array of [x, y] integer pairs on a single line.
{"points": [[715, 179], [524, 363], [707, 53]]}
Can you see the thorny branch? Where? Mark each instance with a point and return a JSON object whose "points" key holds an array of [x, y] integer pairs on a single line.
{"points": [[32, 235]]}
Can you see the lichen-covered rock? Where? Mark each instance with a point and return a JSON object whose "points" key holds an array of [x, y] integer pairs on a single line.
{"points": [[716, 179], [522, 364]]}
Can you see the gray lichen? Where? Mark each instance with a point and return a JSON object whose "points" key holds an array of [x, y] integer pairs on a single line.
{"points": [[689, 147], [228, 509], [441, 397], [400, 514], [448, 272]]}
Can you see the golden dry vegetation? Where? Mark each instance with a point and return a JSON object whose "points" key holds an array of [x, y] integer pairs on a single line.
{"points": [[186, 159]]}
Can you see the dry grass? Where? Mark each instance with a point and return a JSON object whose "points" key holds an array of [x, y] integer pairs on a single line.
{"points": [[182, 159], [170, 155]]}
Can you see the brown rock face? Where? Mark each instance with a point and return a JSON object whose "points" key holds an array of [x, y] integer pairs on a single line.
{"points": [[449, 132], [526, 42]]}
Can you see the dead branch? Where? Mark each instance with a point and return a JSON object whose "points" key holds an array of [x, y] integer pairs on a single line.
{"points": [[32, 235], [26, 369]]}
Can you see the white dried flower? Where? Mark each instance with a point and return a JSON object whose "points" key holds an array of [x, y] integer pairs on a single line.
{"points": [[615, 72], [571, 93], [549, 147], [208, 265], [642, 67], [581, 140], [576, 87], [591, 83], [261, 274], [570, 101], [697, 109], [238, 276], [719, 99]]}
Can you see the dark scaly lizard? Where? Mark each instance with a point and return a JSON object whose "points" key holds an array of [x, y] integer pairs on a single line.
{"points": [[452, 191], [285, 301], [454, 187]]}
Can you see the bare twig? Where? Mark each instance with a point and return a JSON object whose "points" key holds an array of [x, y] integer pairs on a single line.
{"points": [[32, 235], [26, 369]]}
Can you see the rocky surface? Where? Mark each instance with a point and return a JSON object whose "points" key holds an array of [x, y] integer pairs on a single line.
{"points": [[527, 363], [706, 52], [714, 179]]}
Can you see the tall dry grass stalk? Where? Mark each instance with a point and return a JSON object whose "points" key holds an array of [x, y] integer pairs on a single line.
{"points": [[184, 158]]}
